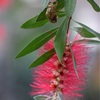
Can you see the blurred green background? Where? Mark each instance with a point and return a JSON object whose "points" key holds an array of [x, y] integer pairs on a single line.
{"points": [[15, 76]]}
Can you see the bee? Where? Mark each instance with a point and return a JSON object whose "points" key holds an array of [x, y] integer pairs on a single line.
{"points": [[51, 12]]}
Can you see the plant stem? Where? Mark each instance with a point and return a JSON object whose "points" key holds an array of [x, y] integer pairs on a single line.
{"points": [[69, 24], [55, 96]]}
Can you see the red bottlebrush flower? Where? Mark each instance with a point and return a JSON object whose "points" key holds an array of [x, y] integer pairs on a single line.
{"points": [[53, 77]]}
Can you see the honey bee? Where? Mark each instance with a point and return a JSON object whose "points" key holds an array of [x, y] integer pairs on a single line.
{"points": [[51, 12]]}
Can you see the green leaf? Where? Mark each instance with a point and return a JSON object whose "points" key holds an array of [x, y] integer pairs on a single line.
{"points": [[91, 31], [39, 20], [60, 39], [61, 14], [69, 7], [94, 5], [40, 97], [83, 32], [37, 42], [32, 23], [88, 41], [42, 15], [60, 4], [46, 56], [74, 61]]}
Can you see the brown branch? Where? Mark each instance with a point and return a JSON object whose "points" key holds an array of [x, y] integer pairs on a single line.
{"points": [[69, 24]]}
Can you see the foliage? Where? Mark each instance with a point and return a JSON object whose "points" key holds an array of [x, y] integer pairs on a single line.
{"points": [[65, 9]]}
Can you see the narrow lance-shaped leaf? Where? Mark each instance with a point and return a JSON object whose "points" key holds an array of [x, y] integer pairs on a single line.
{"points": [[91, 31], [88, 41], [94, 5], [61, 14], [37, 42], [60, 39], [42, 15], [39, 21], [32, 23], [83, 32], [60, 4], [74, 61], [46, 56], [69, 7]]}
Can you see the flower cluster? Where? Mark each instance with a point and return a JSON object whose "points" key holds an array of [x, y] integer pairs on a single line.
{"points": [[54, 77]]}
